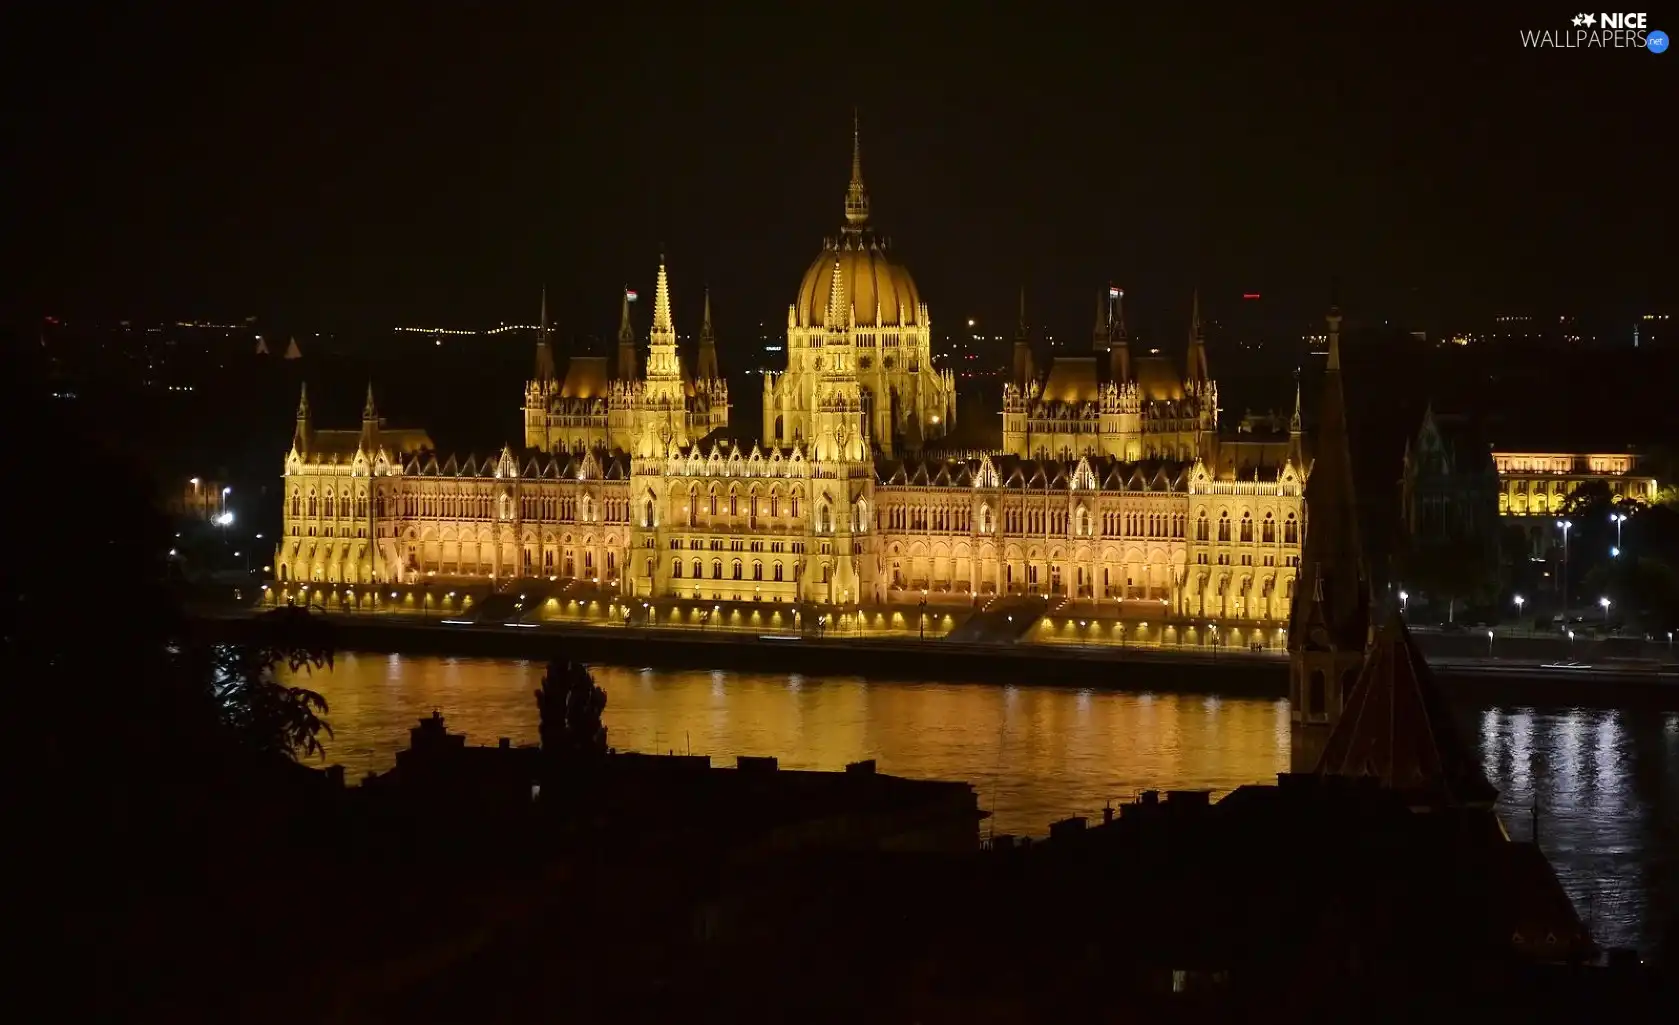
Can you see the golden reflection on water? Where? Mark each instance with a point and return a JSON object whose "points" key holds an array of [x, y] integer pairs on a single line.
{"points": [[1034, 754]]}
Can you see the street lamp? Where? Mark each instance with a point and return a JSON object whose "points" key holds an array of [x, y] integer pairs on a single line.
{"points": [[1520, 601], [1565, 526], [1617, 518], [1489, 643], [1404, 599], [923, 623], [1605, 602]]}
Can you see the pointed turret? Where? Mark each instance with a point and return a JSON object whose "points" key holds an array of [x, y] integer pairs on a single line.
{"points": [[292, 351], [1198, 372], [300, 435], [856, 196], [369, 423], [661, 302], [626, 341], [1023, 369], [1119, 343], [1101, 335], [1329, 623], [705, 367], [838, 307], [663, 363], [544, 352]]}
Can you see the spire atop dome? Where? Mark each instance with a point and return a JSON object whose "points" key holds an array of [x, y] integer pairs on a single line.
{"points": [[856, 196], [1295, 422]]}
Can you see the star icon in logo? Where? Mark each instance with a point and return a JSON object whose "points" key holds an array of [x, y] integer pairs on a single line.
{"points": [[1579, 19], [1591, 19]]}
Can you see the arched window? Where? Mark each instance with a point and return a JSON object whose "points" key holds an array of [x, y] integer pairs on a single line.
{"points": [[794, 505], [716, 568], [757, 571], [777, 570], [379, 505], [1268, 529], [361, 505], [775, 503], [314, 507], [734, 503], [647, 512], [822, 525], [734, 569], [331, 507], [1247, 527], [824, 577], [1291, 530], [713, 497], [1201, 528], [693, 504], [698, 571], [296, 503], [1224, 526], [985, 519]]}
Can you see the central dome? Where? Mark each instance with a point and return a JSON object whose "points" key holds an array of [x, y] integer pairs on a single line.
{"points": [[872, 280]]}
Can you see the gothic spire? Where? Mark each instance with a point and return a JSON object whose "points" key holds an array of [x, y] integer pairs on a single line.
{"points": [[544, 353], [1021, 332], [706, 370], [1332, 552], [626, 368], [369, 411], [1295, 422], [661, 302], [837, 305], [1101, 334], [1198, 372], [300, 435], [856, 197], [626, 331]]}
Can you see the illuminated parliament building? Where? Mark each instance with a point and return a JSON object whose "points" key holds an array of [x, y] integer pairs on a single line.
{"points": [[1111, 482]]}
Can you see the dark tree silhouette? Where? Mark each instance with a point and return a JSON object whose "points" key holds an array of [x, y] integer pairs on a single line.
{"points": [[570, 706]]}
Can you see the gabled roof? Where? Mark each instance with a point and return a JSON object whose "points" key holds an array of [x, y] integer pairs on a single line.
{"points": [[1398, 728], [1108, 474]]}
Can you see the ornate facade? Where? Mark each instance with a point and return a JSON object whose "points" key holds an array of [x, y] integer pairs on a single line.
{"points": [[1111, 483]]}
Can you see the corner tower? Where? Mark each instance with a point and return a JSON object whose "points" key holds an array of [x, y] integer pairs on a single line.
{"points": [[1329, 621]]}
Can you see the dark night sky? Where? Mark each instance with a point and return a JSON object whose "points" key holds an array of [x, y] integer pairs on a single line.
{"points": [[414, 164]]}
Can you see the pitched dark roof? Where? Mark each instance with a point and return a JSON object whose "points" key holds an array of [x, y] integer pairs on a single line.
{"points": [[1397, 728]]}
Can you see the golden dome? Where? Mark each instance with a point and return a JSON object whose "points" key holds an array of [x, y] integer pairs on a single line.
{"points": [[869, 276]]}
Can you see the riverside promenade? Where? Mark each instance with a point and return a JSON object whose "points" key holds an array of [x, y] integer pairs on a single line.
{"points": [[1533, 677]]}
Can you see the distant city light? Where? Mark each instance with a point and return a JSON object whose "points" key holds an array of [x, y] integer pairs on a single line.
{"points": [[1250, 295], [629, 293], [1115, 292]]}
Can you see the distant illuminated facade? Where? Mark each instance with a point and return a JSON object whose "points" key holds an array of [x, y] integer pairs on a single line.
{"points": [[1111, 481]]}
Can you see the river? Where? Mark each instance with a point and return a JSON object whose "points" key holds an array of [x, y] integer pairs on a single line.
{"points": [[1607, 781]]}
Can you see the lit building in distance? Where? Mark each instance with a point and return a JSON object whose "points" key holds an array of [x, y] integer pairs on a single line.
{"points": [[1111, 483]]}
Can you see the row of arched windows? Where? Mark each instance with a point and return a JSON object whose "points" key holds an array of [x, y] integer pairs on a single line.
{"points": [[1244, 530], [737, 570], [327, 506]]}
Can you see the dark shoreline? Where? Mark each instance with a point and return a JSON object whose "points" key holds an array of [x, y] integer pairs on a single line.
{"points": [[1118, 669]]}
